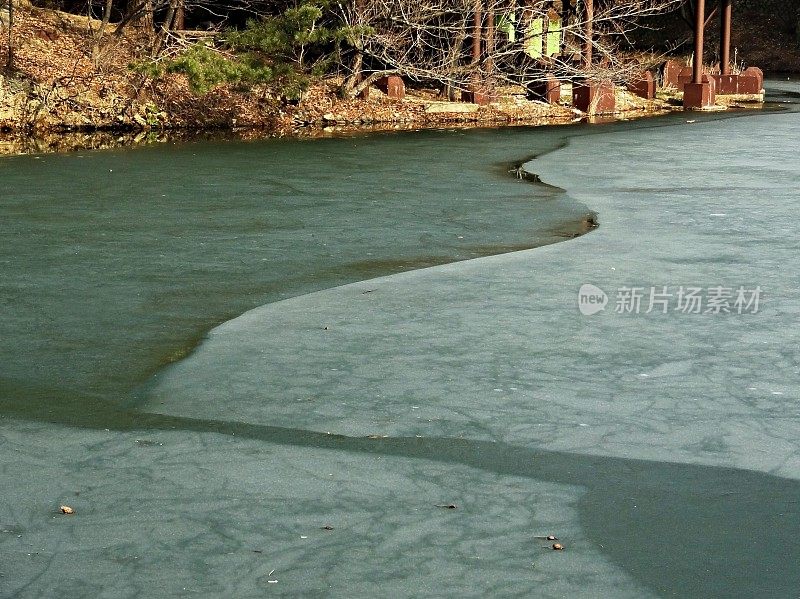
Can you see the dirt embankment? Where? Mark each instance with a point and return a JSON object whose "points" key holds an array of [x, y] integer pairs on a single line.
{"points": [[58, 84]]}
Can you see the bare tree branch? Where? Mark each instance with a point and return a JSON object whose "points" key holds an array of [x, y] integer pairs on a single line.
{"points": [[437, 40]]}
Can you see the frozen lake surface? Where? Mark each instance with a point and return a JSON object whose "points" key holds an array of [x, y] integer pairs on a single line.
{"points": [[307, 446]]}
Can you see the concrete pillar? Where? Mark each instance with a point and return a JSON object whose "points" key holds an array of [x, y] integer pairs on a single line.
{"points": [[393, 86], [643, 86], [548, 89], [594, 97], [700, 95]]}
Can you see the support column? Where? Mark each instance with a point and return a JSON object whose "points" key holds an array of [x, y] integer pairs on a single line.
{"points": [[699, 30], [589, 95], [725, 37], [700, 92]]}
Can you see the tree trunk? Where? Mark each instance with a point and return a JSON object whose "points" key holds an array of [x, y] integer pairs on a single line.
{"points": [[797, 27], [179, 24], [98, 37], [477, 38], [369, 81], [140, 14], [477, 33], [354, 78], [451, 91], [166, 26], [490, 43], [588, 36]]}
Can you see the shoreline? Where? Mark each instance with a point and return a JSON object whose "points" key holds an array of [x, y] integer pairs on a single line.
{"points": [[71, 139], [57, 100]]}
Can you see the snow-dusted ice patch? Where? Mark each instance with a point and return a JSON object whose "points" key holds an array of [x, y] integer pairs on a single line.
{"points": [[662, 384]]}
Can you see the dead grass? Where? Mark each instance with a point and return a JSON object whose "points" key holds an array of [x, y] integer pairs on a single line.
{"points": [[57, 86]]}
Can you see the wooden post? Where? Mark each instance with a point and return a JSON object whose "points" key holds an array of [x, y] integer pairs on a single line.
{"points": [[725, 37]]}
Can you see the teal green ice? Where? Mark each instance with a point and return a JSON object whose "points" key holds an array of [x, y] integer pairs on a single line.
{"points": [[213, 351]]}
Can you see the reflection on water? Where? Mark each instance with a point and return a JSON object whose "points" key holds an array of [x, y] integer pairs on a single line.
{"points": [[44, 142]]}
